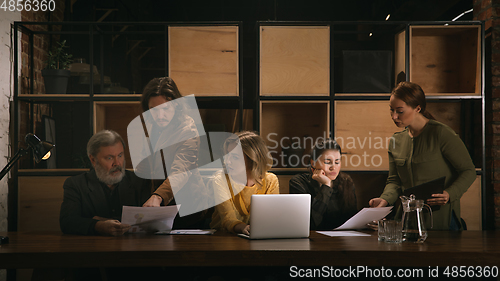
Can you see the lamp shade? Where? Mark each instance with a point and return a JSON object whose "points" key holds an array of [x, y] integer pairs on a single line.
{"points": [[41, 149]]}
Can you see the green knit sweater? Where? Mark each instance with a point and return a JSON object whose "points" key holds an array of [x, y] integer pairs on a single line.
{"points": [[436, 152]]}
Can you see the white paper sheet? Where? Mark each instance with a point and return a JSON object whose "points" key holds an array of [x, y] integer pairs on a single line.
{"points": [[365, 216], [187, 231], [342, 233], [149, 219]]}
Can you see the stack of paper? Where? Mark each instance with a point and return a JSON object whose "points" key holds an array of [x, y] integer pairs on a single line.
{"points": [[365, 216], [149, 219]]}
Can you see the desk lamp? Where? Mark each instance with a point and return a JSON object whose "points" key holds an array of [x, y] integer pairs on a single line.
{"points": [[41, 151]]}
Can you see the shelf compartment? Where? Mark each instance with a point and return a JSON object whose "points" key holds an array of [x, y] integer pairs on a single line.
{"points": [[225, 120], [66, 124], [294, 60], [128, 57], [446, 60], [364, 57], [40, 201], [367, 71], [116, 116], [203, 60], [290, 128], [363, 130]]}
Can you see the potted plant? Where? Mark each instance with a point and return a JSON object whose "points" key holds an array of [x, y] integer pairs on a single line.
{"points": [[56, 73]]}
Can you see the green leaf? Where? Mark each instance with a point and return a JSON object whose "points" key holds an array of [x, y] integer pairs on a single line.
{"points": [[57, 58]]}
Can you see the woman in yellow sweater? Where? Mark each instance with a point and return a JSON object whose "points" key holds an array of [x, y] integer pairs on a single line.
{"points": [[244, 177]]}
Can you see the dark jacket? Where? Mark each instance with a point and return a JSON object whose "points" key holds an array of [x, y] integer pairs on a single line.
{"points": [[84, 198], [328, 209]]}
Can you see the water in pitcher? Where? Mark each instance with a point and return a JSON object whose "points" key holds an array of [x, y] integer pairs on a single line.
{"points": [[413, 223], [414, 236]]}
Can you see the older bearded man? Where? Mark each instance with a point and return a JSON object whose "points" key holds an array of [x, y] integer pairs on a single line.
{"points": [[93, 201]]}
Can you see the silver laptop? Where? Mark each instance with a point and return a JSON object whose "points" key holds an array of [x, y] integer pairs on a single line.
{"points": [[279, 216]]}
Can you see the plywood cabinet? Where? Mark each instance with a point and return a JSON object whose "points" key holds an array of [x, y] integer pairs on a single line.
{"points": [[363, 129], [446, 60], [290, 128], [204, 60], [294, 60], [40, 203]]}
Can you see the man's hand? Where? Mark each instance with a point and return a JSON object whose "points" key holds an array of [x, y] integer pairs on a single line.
{"points": [[111, 227], [100, 218], [320, 176], [153, 201], [378, 203]]}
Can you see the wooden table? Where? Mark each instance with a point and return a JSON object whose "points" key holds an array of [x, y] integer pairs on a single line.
{"points": [[46, 250]]}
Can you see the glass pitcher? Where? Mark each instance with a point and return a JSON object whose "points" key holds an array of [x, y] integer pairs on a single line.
{"points": [[413, 222]]}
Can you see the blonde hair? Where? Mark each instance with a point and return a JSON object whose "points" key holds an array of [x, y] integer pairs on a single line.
{"points": [[256, 152]]}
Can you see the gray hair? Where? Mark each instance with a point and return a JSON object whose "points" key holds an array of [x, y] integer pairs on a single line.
{"points": [[103, 138]]}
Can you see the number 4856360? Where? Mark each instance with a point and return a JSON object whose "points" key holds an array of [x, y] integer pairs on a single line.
{"points": [[28, 5], [471, 271]]}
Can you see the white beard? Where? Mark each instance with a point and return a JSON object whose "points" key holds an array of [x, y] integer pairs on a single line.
{"points": [[106, 176]]}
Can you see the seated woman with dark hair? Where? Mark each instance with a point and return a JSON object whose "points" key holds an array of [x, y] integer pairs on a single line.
{"points": [[333, 200]]}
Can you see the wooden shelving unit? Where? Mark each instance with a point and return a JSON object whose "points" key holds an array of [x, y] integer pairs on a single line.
{"points": [[445, 59], [203, 59], [301, 93]]}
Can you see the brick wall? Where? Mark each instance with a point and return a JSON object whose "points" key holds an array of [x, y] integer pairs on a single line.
{"points": [[489, 12], [41, 45], [7, 73], [6, 93]]}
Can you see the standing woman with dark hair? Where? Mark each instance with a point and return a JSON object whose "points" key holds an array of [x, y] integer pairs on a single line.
{"points": [[333, 198], [425, 150], [174, 143]]}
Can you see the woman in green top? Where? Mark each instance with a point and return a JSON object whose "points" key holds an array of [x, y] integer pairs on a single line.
{"points": [[425, 150]]}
